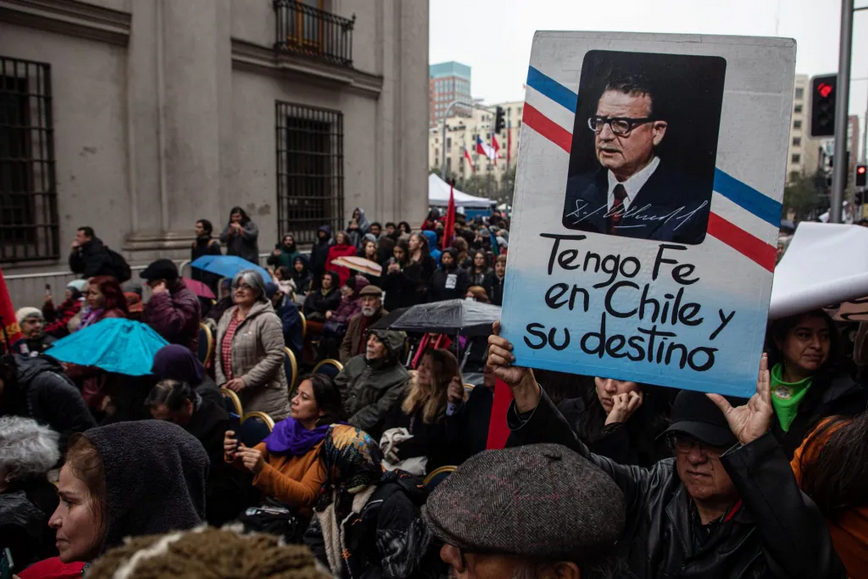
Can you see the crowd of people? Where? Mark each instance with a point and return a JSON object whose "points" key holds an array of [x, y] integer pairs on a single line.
{"points": [[601, 477]]}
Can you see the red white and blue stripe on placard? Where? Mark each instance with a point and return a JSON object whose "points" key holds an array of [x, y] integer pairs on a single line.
{"points": [[740, 214]]}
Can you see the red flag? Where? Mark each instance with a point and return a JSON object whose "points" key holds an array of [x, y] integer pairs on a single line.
{"points": [[508, 142], [9, 330], [469, 160], [449, 226], [498, 431]]}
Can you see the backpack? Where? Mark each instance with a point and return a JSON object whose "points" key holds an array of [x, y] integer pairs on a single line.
{"points": [[118, 266]]}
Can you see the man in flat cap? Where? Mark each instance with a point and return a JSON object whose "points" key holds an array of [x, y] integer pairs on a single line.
{"points": [[533, 512], [726, 507]]}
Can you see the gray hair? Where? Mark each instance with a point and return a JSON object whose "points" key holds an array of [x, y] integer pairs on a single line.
{"points": [[27, 449], [252, 278]]}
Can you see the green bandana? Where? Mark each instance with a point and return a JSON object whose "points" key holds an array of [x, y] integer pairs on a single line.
{"points": [[786, 396]]}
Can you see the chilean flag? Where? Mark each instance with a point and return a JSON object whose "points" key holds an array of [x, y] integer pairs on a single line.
{"points": [[484, 149]]}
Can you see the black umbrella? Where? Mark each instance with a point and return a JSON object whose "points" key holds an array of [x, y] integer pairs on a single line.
{"points": [[464, 317]]}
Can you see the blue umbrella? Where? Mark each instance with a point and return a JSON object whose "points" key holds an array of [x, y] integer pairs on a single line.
{"points": [[114, 344], [228, 266]]}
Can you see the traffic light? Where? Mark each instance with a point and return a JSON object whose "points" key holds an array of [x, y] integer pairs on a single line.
{"points": [[860, 175], [498, 120], [823, 93]]}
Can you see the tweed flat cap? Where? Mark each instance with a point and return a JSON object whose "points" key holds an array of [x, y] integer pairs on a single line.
{"points": [[540, 501]]}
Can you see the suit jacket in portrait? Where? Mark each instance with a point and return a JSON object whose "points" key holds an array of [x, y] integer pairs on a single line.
{"points": [[669, 207]]}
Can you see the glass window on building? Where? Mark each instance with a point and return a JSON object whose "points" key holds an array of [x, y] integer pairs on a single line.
{"points": [[797, 124], [796, 158], [797, 141], [800, 93], [797, 109]]}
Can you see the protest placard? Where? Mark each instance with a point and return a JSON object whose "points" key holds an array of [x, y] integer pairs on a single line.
{"points": [[651, 170]]}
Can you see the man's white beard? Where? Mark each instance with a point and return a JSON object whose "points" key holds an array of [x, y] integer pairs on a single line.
{"points": [[368, 311]]}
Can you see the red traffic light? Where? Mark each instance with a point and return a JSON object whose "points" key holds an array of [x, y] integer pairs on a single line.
{"points": [[860, 169], [824, 89]]}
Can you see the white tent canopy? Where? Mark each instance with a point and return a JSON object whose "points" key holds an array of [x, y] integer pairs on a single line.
{"points": [[438, 195]]}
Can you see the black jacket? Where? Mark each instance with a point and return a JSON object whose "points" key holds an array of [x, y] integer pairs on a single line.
{"points": [[441, 441], [400, 290], [840, 396], [388, 538], [776, 532], [319, 303], [474, 417], [633, 442], [319, 255], [91, 259], [42, 391], [419, 273], [33, 346], [494, 288], [438, 290]]}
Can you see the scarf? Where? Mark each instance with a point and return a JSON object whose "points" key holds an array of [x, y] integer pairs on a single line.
{"points": [[352, 461], [334, 538], [290, 437], [89, 316]]}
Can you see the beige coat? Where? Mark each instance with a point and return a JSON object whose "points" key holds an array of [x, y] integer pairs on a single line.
{"points": [[257, 358]]}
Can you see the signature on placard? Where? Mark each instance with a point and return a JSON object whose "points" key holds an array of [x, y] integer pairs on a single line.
{"points": [[681, 214]]}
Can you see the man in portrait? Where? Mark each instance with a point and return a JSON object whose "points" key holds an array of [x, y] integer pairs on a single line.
{"points": [[633, 192]]}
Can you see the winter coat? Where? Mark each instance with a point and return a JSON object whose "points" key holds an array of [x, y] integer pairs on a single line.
{"points": [[369, 388], [364, 227], [440, 441], [205, 245], [293, 329], [400, 288], [91, 259], [346, 309], [387, 537], [474, 416], [478, 278], [33, 346], [301, 280], [319, 254], [56, 319], [420, 274], [773, 532], [456, 277], [25, 508], [154, 478], [175, 315], [257, 358], [632, 442], [42, 391], [494, 288], [839, 396], [336, 251], [224, 488], [320, 303], [285, 258], [353, 343], [245, 244]]}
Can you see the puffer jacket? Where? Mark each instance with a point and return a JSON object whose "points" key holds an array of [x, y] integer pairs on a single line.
{"points": [[369, 388], [42, 391], [257, 358], [773, 532], [175, 316]]}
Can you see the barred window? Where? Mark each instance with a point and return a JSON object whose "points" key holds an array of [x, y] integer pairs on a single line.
{"points": [[310, 170], [28, 196]]}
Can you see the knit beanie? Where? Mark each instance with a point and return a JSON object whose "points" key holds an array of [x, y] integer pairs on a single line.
{"points": [[25, 313]]}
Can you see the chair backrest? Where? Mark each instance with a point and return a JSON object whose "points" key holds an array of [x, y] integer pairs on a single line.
{"points": [[206, 344], [255, 427], [290, 366], [437, 476], [303, 324], [231, 401], [330, 367]]}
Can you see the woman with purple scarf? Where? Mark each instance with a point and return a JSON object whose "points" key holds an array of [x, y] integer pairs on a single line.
{"points": [[286, 465]]}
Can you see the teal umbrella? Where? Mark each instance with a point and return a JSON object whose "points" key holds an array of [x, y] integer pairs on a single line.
{"points": [[114, 344]]}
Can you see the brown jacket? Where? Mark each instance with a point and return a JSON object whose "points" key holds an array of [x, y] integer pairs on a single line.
{"points": [[257, 358], [354, 340]]}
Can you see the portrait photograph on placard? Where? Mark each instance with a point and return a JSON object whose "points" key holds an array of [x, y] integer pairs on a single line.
{"points": [[644, 145]]}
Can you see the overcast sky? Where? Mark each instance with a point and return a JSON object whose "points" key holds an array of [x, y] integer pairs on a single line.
{"points": [[494, 36]]}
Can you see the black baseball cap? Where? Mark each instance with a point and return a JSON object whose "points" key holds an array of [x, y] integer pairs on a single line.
{"points": [[694, 414]]}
